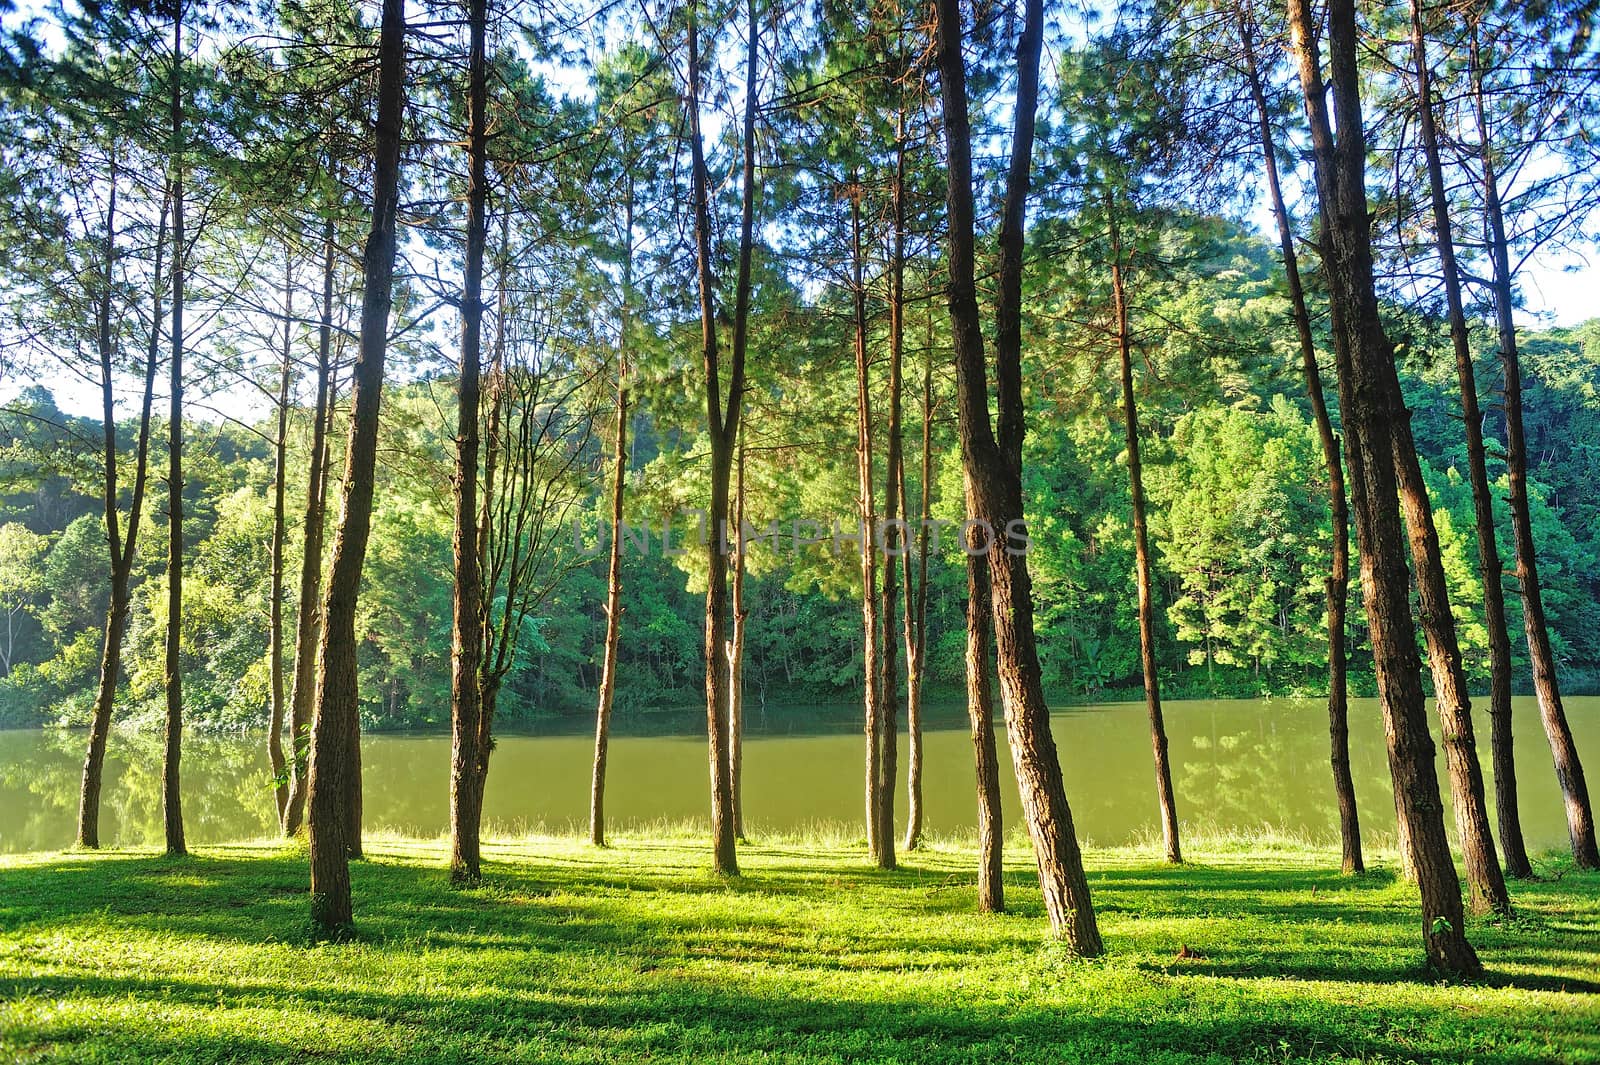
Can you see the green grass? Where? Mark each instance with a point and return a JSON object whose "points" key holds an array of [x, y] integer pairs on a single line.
{"points": [[640, 953]]}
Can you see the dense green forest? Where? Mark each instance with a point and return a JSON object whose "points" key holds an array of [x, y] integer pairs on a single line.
{"points": [[509, 365], [1236, 486]]}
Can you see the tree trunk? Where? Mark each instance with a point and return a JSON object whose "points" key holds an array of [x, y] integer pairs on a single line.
{"points": [[466, 657], [994, 466], [892, 542], [1141, 554], [280, 447], [741, 614], [308, 622], [873, 694], [1488, 889], [916, 627], [1338, 581], [1363, 353], [1486, 883], [723, 426], [335, 727], [1569, 770], [619, 477], [122, 550], [980, 716], [171, 798]]}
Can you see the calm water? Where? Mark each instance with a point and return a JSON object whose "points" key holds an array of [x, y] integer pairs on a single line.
{"points": [[1237, 764]]}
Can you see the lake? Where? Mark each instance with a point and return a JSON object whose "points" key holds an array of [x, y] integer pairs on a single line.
{"points": [[1237, 764]]}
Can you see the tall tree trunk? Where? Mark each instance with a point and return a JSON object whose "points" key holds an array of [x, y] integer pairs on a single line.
{"points": [[280, 448], [619, 477], [741, 614], [308, 621], [1547, 689], [916, 620], [873, 695], [994, 465], [980, 716], [171, 798], [466, 657], [1362, 352], [893, 542], [335, 726], [122, 550], [723, 425], [1141, 555], [1488, 885], [1338, 580]]}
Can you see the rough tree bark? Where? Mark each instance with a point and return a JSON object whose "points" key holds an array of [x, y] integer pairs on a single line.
{"points": [[122, 549], [893, 542], [1547, 689], [1494, 609], [1486, 882], [993, 462], [873, 695], [1337, 584], [723, 425], [1362, 351], [741, 614], [280, 453], [980, 716], [1166, 801], [467, 755], [172, 748], [334, 731], [619, 477], [308, 621], [916, 614]]}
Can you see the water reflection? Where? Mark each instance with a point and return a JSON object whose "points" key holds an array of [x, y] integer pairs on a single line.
{"points": [[1238, 765]]}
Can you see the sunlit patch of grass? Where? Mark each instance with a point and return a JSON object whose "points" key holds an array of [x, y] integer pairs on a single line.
{"points": [[1256, 949]]}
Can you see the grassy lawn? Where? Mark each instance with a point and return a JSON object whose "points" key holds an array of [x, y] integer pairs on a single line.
{"points": [[639, 953]]}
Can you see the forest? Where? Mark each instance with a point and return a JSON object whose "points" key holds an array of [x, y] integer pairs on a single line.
{"points": [[505, 370]]}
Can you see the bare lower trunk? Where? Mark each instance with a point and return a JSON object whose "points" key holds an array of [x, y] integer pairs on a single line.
{"points": [[275, 754], [619, 475], [1338, 581], [335, 751], [1487, 886], [171, 796], [741, 614], [873, 695], [723, 425], [916, 626], [1547, 689], [1166, 801], [992, 458], [608, 675], [308, 622], [892, 542], [122, 549], [1365, 362], [100, 724], [468, 757], [980, 716], [1484, 876]]}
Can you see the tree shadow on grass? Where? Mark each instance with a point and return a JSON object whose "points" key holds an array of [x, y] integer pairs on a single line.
{"points": [[676, 1016], [1245, 923]]}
